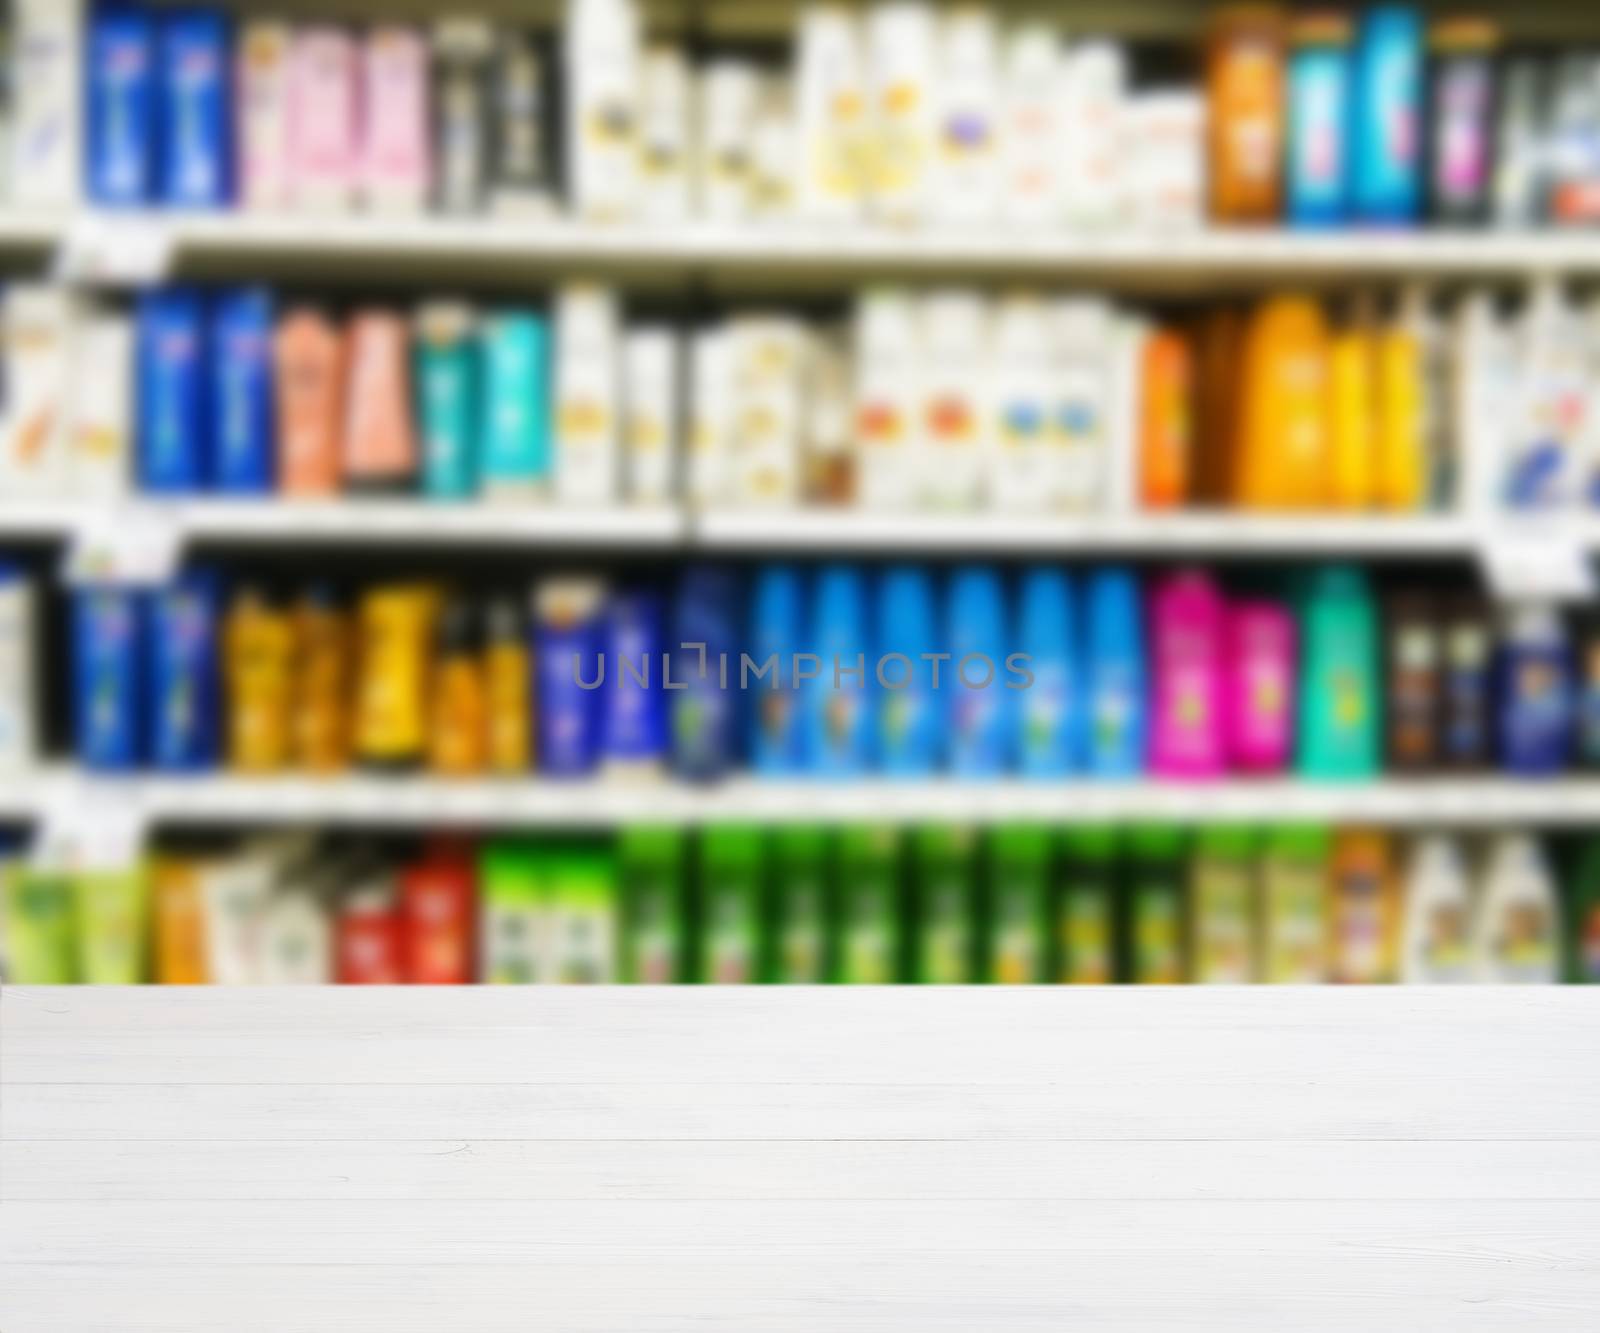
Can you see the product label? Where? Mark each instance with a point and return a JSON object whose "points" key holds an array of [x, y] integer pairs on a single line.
{"points": [[1086, 936]]}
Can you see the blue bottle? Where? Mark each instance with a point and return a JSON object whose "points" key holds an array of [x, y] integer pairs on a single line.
{"points": [[1049, 709], [184, 674], [122, 107], [910, 726], [974, 680], [1386, 115], [172, 445], [243, 432], [514, 419], [569, 636], [447, 402], [774, 702], [838, 713], [705, 679], [1536, 716], [196, 110], [633, 704], [106, 679], [1317, 186], [1116, 685]]}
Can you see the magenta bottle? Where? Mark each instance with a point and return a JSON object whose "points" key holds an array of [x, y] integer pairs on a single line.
{"points": [[1259, 684], [1187, 632]]}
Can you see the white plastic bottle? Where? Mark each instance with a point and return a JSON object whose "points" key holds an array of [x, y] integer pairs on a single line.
{"points": [[1030, 127], [19, 702], [1517, 937], [664, 104], [707, 478], [587, 395], [730, 96], [900, 63], [652, 403], [1024, 463], [602, 80], [830, 114], [100, 434], [1093, 93], [767, 403], [1083, 387], [887, 428], [955, 427], [1436, 929], [966, 159], [1543, 469]]}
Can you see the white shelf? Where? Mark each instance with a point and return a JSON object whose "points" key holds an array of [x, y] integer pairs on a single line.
{"points": [[420, 803], [365, 522], [821, 529], [553, 244]]}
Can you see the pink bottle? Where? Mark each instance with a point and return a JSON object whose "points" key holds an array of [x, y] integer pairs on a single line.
{"points": [[1187, 630], [395, 149], [324, 118], [1260, 686]]}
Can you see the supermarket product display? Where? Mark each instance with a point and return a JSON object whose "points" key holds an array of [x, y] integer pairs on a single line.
{"points": [[858, 904], [841, 671], [940, 400], [897, 112]]}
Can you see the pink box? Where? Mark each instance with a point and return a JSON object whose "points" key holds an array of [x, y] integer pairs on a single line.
{"points": [[396, 156]]}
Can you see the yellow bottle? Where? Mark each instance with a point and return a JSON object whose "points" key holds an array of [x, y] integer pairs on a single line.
{"points": [[178, 921], [1284, 430], [258, 653], [322, 685], [458, 725], [1352, 412], [1402, 449], [391, 726]]}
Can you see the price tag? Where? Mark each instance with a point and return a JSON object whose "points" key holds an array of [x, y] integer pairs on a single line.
{"points": [[115, 250], [1551, 566], [137, 545]]}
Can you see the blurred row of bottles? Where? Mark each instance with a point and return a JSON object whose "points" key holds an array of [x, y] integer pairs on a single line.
{"points": [[843, 671], [860, 904], [897, 111], [941, 400]]}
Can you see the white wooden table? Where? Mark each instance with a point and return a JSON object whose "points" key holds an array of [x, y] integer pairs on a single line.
{"points": [[914, 1159]]}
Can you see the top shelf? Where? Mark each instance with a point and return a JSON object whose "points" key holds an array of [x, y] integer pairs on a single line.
{"points": [[361, 246]]}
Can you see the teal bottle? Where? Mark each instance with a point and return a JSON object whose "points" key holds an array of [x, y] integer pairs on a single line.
{"points": [[1340, 731]]}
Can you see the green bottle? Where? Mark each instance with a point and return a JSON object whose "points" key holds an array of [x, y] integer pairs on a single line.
{"points": [[871, 921], [652, 872], [1085, 907], [1583, 918], [39, 927], [1153, 931], [511, 882], [1223, 907], [582, 933], [1340, 723], [731, 908], [1294, 906], [800, 908], [946, 890], [113, 926], [1018, 901]]}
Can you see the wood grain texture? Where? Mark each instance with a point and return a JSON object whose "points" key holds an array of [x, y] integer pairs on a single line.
{"points": [[666, 1160]]}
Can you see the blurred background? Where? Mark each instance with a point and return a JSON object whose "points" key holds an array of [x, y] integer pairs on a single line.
{"points": [[788, 492]]}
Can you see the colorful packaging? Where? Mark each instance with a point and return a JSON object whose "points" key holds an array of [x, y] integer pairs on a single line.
{"points": [[323, 675], [263, 83], [1338, 728], [462, 50], [121, 107], [1387, 116], [1284, 446], [1294, 905], [515, 413], [569, 640], [324, 116], [258, 662], [184, 675], [945, 885], [515, 920], [446, 374], [777, 733], [1050, 707], [583, 930], [309, 355], [1317, 184], [705, 662], [173, 446], [966, 93], [1224, 908], [458, 724], [368, 935], [178, 921], [1018, 933], [1536, 693], [1166, 421], [1245, 92], [111, 919], [1583, 915], [107, 716], [508, 680], [870, 948], [656, 937], [1518, 929], [634, 700], [1436, 930], [980, 702], [801, 905], [1187, 629], [38, 920], [396, 627], [396, 158], [1466, 725], [1260, 682], [1461, 109], [731, 907], [1153, 926], [196, 168], [909, 712], [1023, 476], [1363, 910], [41, 377], [1116, 670], [380, 448], [1414, 667], [243, 425], [522, 172], [1084, 910]]}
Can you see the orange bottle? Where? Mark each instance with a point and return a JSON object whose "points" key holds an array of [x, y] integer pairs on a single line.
{"points": [[310, 373], [458, 730], [1166, 420], [322, 684], [258, 663], [380, 446], [1364, 909], [178, 922], [1402, 427], [1352, 416], [1245, 99], [1218, 343], [1284, 451]]}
